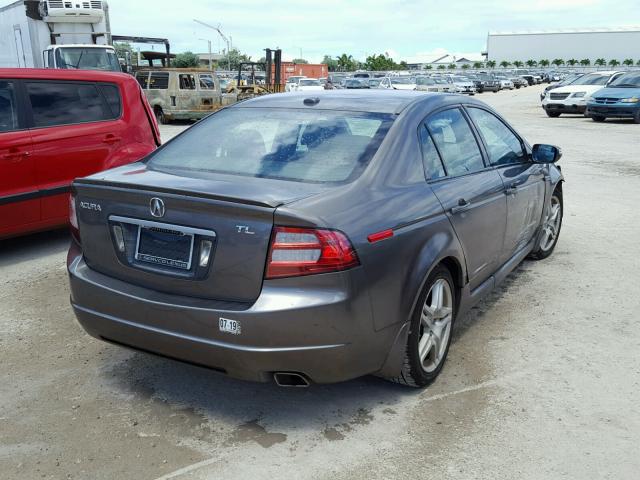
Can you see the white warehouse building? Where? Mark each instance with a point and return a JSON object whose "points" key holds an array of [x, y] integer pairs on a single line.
{"points": [[618, 44]]}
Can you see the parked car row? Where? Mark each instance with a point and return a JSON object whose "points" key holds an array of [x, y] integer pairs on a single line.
{"points": [[598, 95]]}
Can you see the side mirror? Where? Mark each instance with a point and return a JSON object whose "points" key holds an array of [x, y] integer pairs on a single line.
{"points": [[542, 153]]}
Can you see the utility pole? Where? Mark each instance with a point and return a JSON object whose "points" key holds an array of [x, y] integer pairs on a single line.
{"points": [[210, 58], [217, 29]]}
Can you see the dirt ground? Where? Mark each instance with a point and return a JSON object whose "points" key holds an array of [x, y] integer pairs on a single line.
{"points": [[542, 379]]}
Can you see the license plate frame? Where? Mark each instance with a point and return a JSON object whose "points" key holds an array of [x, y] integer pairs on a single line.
{"points": [[157, 260], [226, 325]]}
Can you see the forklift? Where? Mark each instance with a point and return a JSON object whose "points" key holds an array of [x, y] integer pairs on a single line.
{"points": [[252, 86]]}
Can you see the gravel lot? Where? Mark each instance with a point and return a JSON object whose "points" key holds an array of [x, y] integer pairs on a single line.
{"points": [[542, 379]]}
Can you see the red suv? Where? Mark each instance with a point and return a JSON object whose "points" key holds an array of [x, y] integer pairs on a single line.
{"points": [[56, 125]]}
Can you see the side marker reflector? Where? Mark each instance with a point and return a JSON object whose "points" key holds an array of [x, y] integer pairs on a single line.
{"points": [[376, 237]]}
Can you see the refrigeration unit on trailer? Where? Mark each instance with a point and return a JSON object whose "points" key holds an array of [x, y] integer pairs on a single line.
{"points": [[57, 34]]}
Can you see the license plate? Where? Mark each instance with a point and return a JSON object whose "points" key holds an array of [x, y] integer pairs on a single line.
{"points": [[164, 247], [229, 326]]}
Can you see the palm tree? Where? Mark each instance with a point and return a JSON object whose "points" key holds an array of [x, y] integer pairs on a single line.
{"points": [[600, 62], [441, 67], [346, 62], [628, 62], [544, 62], [451, 66], [558, 61], [572, 62], [504, 64], [638, 63], [491, 64], [517, 64], [585, 62], [465, 66], [614, 62], [428, 67], [477, 65], [531, 63]]}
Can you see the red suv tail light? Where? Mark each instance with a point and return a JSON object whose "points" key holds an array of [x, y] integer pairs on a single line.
{"points": [[73, 218], [306, 251]]}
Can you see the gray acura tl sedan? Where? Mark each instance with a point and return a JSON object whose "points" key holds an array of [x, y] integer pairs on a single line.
{"points": [[312, 238]]}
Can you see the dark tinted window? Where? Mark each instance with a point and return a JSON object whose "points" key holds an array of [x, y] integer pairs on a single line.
{"points": [[458, 147], [316, 146], [502, 144], [206, 82], [187, 81], [65, 103], [430, 158], [143, 79], [8, 107], [112, 96], [159, 80]]}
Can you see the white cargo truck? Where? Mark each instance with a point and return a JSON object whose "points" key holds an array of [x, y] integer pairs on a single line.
{"points": [[57, 34]]}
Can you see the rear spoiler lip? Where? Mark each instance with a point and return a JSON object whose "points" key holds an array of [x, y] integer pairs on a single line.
{"points": [[180, 193]]}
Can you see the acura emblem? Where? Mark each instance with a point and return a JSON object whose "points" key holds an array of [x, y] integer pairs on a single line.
{"points": [[156, 206]]}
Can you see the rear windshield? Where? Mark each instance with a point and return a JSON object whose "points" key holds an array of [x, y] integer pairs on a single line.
{"points": [[301, 145], [309, 83]]}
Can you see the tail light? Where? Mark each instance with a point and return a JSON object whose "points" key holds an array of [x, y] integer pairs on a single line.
{"points": [[73, 219], [306, 251]]}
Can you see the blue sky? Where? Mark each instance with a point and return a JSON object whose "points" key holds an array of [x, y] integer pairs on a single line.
{"points": [[315, 27]]}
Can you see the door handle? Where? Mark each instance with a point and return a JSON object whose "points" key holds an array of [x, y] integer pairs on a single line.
{"points": [[463, 206], [109, 139], [511, 189], [15, 157]]}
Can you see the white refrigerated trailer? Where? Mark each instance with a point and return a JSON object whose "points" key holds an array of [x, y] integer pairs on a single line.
{"points": [[57, 34]]}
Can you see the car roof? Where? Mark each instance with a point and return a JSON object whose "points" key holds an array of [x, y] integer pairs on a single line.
{"points": [[64, 74], [374, 101]]}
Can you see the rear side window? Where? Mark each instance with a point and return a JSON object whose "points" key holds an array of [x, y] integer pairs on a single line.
{"points": [[143, 79], [159, 81], [458, 148], [300, 145], [432, 164], [65, 103], [502, 144], [187, 81], [112, 96], [8, 107], [206, 82]]}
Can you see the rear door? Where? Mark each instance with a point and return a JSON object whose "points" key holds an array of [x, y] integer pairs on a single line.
{"points": [[523, 180], [471, 194], [74, 132], [19, 203]]}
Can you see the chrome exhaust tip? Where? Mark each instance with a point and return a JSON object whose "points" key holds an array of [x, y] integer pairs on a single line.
{"points": [[290, 379]]}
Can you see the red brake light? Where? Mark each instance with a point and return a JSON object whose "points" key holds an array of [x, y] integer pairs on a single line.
{"points": [[73, 218], [306, 251]]}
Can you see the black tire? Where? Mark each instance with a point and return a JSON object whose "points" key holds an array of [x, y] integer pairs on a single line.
{"points": [[538, 252], [552, 114], [160, 116], [413, 374], [598, 118], [636, 117]]}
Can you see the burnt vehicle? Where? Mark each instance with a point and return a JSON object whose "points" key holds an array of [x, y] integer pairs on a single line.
{"points": [[313, 238], [183, 94]]}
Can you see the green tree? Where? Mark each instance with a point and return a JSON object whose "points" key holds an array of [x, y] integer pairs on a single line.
{"points": [[428, 67], [557, 62], [628, 62], [299, 60], [491, 64], [451, 66], [235, 58], [544, 62], [465, 66], [614, 63], [441, 67], [600, 62], [330, 62], [403, 65], [572, 62], [186, 60], [478, 65], [346, 63], [379, 63], [518, 64], [531, 63], [638, 63], [585, 62], [122, 48], [504, 64]]}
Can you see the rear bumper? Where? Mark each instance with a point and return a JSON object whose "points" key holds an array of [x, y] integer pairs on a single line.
{"points": [[322, 333], [621, 111]]}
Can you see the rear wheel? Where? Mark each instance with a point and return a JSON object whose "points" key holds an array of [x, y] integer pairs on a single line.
{"points": [[552, 114], [636, 117], [430, 332], [550, 228], [597, 118], [160, 116]]}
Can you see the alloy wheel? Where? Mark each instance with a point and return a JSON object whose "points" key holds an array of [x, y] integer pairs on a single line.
{"points": [[551, 226], [435, 325]]}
